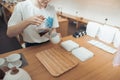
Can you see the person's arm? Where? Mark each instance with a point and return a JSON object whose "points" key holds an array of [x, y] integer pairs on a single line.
{"points": [[17, 29], [14, 30], [17, 23]]}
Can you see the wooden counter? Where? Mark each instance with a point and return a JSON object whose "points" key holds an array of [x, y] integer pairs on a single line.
{"points": [[97, 68]]}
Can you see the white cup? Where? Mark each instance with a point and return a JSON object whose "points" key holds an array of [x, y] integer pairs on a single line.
{"points": [[55, 38], [14, 60], [17, 64], [2, 62]]}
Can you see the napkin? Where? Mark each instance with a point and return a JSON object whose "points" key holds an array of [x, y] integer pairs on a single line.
{"points": [[116, 41], [69, 45], [82, 53], [107, 33], [92, 28]]}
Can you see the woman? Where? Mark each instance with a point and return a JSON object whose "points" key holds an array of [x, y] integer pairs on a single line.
{"points": [[31, 18]]}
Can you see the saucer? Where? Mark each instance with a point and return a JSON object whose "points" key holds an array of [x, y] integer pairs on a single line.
{"points": [[13, 57], [15, 64], [2, 62]]}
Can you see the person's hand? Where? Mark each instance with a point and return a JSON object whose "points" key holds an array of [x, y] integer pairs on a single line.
{"points": [[36, 20]]}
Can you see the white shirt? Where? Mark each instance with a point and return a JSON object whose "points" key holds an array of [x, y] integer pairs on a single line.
{"points": [[26, 9]]}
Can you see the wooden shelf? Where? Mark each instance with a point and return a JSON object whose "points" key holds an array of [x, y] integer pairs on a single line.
{"points": [[74, 18]]}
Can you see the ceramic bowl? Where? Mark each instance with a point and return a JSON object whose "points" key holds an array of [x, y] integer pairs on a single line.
{"points": [[55, 38], [13, 57], [2, 62], [21, 75]]}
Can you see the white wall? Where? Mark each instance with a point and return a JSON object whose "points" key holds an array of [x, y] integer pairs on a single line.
{"points": [[96, 10]]}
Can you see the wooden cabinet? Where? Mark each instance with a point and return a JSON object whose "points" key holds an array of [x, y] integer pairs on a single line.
{"points": [[63, 26]]}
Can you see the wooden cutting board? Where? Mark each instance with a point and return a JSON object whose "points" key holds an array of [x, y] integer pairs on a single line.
{"points": [[57, 61]]}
